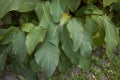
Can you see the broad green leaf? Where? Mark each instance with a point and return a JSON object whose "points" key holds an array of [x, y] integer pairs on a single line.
{"points": [[28, 5], [43, 13], [84, 63], [108, 2], [53, 34], [112, 35], [91, 25], [64, 19], [75, 27], [8, 5], [3, 58], [34, 37], [73, 4], [56, 9], [19, 45], [67, 47], [47, 56], [18, 5], [27, 27], [86, 45]]}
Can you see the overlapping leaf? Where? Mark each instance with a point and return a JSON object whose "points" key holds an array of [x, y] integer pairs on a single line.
{"points": [[73, 4], [86, 46], [64, 19], [56, 9], [53, 34], [112, 35], [47, 57], [7, 35], [43, 13], [19, 45], [18, 5], [67, 47], [34, 37], [75, 27], [28, 5]]}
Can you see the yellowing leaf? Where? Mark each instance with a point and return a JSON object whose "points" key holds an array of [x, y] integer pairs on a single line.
{"points": [[64, 19]]}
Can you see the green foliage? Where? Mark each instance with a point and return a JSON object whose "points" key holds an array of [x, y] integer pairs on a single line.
{"points": [[41, 35], [34, 37]]}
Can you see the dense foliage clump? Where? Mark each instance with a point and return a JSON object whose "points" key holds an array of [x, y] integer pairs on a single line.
{"points": [[42, 35]]}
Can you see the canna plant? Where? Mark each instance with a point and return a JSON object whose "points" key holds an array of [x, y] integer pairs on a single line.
{"points": [[42, 35]]}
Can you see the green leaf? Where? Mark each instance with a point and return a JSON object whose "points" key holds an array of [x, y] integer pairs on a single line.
{"points": [[112, 35], [56, 9], [7, 36], [75, 27], [67, 47], [108, 2], [84, 63], [34, 37], [91, 25], [3, 58], [28, 5], [19, 45], [53, 34], [86, 45], [73, 4], [8, 5], [27, 27], [89, 9], [42, 11], [18, 5], [47, 56]]}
